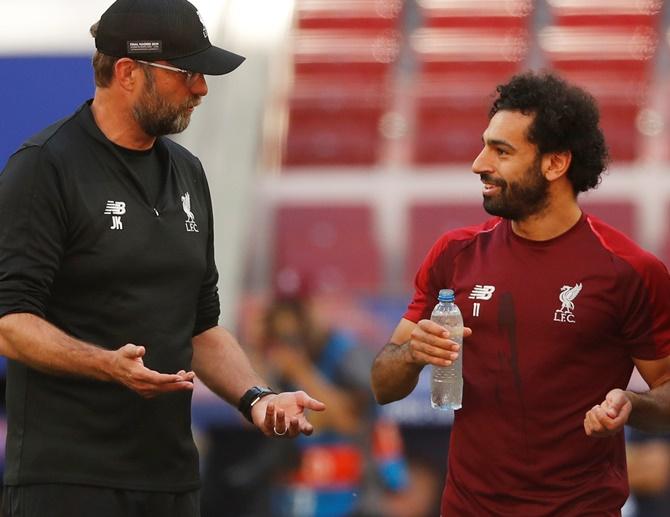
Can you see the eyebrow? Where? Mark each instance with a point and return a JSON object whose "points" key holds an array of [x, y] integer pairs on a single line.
{"points": [[499, 143]]}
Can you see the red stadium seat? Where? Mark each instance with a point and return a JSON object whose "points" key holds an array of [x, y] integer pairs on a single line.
{"points": [[492, 51], [339, 96], [423, 232], [334, 124], [615, 65], [458, 72], [620, 99], [345, 54], [606, 13], [508, 14], [597, 48], [332, 246], [450, 117], [348, 14]]}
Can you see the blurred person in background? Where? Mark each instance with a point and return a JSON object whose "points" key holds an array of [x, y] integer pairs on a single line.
{"points": [[559, 308], [108, 287], [648, 460], [353, 464]]}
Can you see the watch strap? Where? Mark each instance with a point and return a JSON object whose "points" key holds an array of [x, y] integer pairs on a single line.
{"points": [[251, 397]]}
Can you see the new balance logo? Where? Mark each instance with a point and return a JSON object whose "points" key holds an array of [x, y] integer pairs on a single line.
{"points": [[482, 292], [116, 209]]}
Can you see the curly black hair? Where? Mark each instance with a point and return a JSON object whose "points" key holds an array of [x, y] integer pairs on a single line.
{"points": [[566, 119]]}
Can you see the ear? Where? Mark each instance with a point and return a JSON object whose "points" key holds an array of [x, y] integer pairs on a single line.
{"points": [[126, 72], [556, 165]]}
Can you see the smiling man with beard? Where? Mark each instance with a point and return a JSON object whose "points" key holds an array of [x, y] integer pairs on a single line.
{"points": [[108, 287], [559, 308]]}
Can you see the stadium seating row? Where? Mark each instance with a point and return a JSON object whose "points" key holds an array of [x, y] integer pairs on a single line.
{"points": [[348, 56]]}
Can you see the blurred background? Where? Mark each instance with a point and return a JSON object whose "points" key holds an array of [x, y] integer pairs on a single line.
{"points": [[336, 155]]}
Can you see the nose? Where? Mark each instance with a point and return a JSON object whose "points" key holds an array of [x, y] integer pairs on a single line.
{"points": [[481, 165], [199, 86]]}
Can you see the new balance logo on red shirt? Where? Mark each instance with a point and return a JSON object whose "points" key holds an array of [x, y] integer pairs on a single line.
{"points": [[480, 292]]}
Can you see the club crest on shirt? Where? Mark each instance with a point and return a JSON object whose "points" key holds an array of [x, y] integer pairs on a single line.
{"points": [[116, 209], [190, 224], [566, 296]]}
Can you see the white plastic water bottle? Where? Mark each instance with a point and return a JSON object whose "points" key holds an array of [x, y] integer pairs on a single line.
{"points": [[446, 382]]}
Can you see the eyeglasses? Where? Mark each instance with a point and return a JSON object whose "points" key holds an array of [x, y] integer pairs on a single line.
{"points": [[189, 76]]}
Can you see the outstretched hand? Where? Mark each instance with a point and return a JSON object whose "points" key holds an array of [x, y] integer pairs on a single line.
{"points": [[127, 368], [610, 416], [284, 414]]}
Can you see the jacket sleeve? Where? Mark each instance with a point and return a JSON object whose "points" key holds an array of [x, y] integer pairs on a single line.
{"points": [[33, 230], [208, 310]]}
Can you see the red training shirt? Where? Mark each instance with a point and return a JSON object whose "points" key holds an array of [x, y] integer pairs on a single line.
{"points": [[555, 327]]}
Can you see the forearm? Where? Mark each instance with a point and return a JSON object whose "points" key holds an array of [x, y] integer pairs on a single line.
{"points": [[222, 365], [39, 344], [651, 410], [393, 377]]}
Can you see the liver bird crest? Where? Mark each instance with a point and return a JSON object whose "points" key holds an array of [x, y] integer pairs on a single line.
{"points": [[186, 204], [569, 293]]}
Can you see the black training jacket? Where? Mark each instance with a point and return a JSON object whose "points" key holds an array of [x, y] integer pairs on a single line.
{"points": [[82, 247]]}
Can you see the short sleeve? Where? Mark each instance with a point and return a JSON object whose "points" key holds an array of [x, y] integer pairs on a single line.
{"points": [[646, 316]]}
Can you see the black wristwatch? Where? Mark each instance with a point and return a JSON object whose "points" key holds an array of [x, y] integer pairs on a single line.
{"points": [[250, 398]]}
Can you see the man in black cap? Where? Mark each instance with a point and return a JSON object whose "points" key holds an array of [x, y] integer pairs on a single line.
{"points": [[108, 298]]}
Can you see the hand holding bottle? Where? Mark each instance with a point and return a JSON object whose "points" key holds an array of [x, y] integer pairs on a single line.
{"points": [[431, 343]]}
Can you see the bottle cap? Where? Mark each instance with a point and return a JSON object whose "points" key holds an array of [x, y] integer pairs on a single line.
{"points": [[446, 295]]}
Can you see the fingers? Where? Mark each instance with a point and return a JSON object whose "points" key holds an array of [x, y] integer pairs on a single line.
{"points": [[275, 422], [284, 414], [155, 383], [132, 351], [594, 421], [151, 391], [308, 402], [430, 344], [615, 402], [430, 327], [128, 369], [598, 423], [609, 417], [187, 376], [300, 426], [157, 379]]}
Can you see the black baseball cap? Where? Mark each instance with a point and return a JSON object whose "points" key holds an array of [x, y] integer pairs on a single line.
{"points": [[169, 30]]}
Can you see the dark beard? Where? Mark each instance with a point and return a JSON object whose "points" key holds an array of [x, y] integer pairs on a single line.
{"points": [[157, 117], [518, 201]]}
